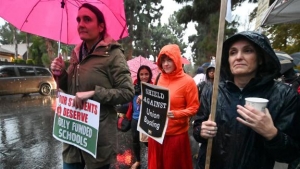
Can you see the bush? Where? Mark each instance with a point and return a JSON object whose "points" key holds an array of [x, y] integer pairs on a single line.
{"points": [[29, 62], [20, 61]]}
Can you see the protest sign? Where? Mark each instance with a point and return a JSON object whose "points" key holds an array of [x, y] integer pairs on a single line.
{"points": [[78, 127], [153, 119]]}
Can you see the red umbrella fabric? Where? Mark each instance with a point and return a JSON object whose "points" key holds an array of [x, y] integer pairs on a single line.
{"points": [[185, 61], [48, 19], [136, 62]]}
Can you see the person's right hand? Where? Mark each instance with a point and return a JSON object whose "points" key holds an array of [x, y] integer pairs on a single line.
{"points": [[57, 65], [208, 129]]}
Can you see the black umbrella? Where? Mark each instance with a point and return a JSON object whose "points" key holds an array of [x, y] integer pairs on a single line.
{"points": [[296, 58], [286, 61], [283, 56], [286, 65]]}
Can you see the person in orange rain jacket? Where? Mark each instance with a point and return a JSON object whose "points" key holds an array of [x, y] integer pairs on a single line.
{"points": [[175, 151]]}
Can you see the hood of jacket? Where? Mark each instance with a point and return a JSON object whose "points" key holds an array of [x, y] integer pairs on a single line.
{"points": [[211, 66], [172, 51], [270, 67], [200, 70]]}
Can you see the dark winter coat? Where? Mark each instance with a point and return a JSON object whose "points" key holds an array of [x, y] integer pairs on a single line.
{"points": [[106, 72], [202, 86], [237, 146]]}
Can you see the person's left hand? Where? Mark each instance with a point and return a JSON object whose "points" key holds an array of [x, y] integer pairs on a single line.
{"points": [[170, 114], [81, 97], [139, 99], [260, 122]]}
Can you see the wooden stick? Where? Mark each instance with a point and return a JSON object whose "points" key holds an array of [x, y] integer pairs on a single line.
{"points": [[216, 76]]}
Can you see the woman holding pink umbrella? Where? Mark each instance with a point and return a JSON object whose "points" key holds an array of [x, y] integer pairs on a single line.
{"points": [[98, 71]]}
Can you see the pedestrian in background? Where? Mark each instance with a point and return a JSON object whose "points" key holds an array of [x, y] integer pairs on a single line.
{"points": [[144, 74], [175, 151], [209, 76], [98, 71], [244, 137], [200, 75]]}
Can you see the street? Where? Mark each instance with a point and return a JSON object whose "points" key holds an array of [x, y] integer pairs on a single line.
{"points": [[26, 133], [26, 140]]}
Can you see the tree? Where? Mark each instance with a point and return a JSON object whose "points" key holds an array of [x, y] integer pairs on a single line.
{"points": [[172, 32], [37, 49], [206, 15], [10, 35], [140, 15], [284, 37], [146, 34], [7, 35]]}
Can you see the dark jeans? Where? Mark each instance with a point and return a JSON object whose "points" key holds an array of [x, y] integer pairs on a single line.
{"points": [[80, 166]]}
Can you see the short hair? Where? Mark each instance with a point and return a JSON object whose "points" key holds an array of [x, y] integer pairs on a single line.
{"points": [[98, 13], [162, 57]]}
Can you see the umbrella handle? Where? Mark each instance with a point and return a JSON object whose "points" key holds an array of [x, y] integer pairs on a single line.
{"points": [[62, 5], [57, 85]]}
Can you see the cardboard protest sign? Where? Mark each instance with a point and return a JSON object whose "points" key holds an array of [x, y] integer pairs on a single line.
{"points": [[153, 118], [77, 127]]}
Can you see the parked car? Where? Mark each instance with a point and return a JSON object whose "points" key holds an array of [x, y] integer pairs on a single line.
{"points": [[25, 79]]}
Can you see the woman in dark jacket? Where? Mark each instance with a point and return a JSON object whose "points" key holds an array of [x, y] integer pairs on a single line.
{"points": [[245, 138]]}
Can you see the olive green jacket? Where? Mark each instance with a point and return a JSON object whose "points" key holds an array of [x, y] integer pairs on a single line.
{"points": [[106, 72]]}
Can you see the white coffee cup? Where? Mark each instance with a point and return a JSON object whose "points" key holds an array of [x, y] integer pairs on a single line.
{"points": [[258, 103]]}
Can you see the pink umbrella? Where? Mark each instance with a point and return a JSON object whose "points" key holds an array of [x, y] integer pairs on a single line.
{"points": [[185, 61], [136, 62], [56, 19]]}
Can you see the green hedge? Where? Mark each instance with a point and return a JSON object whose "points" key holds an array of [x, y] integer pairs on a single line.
{"points": [[29, 62], [20, 61]]}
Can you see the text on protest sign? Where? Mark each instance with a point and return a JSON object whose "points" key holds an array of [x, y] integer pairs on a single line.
{"points": [[153, 117], [77, 127]]}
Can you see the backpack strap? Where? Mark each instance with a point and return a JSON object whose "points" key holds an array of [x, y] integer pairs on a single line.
{"points": [[157, 78]]}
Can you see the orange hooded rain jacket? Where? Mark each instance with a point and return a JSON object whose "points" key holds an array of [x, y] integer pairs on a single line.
{"points": [[184, 101]]}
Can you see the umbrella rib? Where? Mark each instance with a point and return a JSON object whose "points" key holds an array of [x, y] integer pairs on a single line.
{"points": [[30, 13], [117, 18], [67, 18], [78, 3]]}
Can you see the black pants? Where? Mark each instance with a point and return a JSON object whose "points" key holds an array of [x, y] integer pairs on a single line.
{"points": [[136, 140], [80, 166]]}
